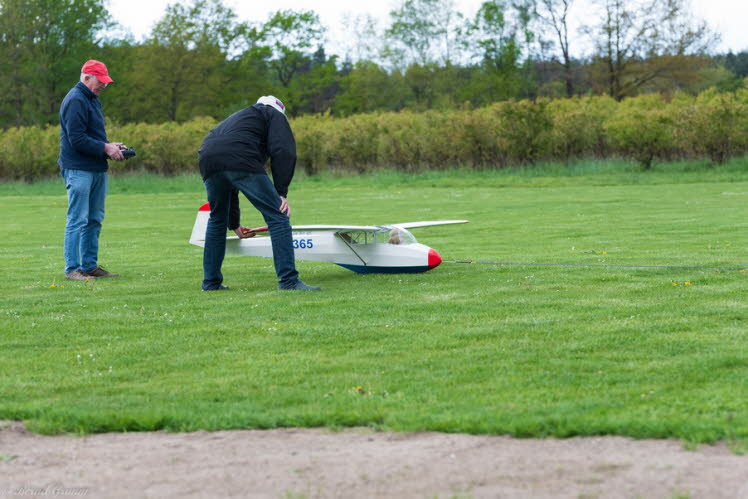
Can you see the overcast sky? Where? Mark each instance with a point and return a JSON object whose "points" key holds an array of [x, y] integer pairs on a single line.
{"points": [[727, 17]]}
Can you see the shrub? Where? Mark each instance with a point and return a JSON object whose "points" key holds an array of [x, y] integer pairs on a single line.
{"points": [[354, 141], [29, 152], [642, 129], [579, 126], [313, 142], [475, 137], [714, 125], [400, 142], [166, 148], [524, 130]]}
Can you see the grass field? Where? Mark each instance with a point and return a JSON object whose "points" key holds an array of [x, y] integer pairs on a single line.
{"points": [[525, 350]]}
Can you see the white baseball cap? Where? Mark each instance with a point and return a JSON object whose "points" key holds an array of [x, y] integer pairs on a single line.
{"points": [[272, 101]]}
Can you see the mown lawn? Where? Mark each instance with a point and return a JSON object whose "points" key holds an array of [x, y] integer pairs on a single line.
{"points": [[525, 350]]}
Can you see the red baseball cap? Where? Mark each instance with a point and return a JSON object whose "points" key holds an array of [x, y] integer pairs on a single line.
{"points": [[98, 69]]}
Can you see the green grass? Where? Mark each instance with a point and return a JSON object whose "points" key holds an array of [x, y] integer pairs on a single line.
{"points": [[521, 350]]}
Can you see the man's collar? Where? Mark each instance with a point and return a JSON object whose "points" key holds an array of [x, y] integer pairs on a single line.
{"points": [[86, 91]]}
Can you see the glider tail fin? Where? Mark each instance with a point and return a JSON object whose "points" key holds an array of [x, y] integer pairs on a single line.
{"points": [[201, 224]]}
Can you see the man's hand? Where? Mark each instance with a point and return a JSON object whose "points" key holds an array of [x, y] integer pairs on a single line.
{"points": [[243, 232], [113, 151], [285, 207]]}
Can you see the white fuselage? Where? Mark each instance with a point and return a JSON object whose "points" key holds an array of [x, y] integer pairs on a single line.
{"points": [[358, 251], [326, 246]]}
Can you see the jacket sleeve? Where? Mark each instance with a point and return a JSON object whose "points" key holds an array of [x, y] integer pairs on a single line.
{"points": [[282, 150], [74, 120], [234, 213]]}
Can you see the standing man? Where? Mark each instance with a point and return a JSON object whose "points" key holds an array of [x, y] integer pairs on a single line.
{"points": [[232, 159], [84, 150]]}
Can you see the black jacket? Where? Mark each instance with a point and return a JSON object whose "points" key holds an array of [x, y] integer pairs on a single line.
{"points": [[245, 140]]}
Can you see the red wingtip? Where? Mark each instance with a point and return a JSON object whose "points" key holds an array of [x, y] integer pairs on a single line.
{"points": [[205, 207], [434, 259]]}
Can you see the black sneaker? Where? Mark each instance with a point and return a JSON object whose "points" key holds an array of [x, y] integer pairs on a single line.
{"points": [[302, 286], [219, 288]]}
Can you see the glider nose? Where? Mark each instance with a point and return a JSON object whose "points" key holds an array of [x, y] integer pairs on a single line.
{"points": [[434, 259]]}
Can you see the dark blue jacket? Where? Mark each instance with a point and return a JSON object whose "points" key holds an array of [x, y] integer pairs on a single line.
{"points": [[82, 134]]}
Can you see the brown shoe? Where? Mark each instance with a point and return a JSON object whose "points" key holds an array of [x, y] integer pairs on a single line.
{"points": [[77, 275], [100, 272]]}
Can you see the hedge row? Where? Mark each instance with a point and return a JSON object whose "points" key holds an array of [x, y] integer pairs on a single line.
{"points": [[711, 125]]}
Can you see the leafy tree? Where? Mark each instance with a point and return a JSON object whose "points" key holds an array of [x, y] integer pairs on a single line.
{"points": [[248, 72], [248, 77], [440, 87], [314, 89], [368, 87], [184, 61], [291, 36], [421, 30], [43, 44], [122, 101], [493, 38], [16, 60], [736, 66], [737, 63], [420, 80], [496, 36]]}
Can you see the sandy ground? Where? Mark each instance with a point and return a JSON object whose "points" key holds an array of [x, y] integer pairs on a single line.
{"points": [[357, 463]]}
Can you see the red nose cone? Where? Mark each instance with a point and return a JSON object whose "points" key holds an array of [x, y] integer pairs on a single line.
{"points": [[434, 258], [205, 207]]}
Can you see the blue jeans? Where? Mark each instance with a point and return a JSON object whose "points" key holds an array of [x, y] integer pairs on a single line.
{"points": [[86, 193], [261, 193]]}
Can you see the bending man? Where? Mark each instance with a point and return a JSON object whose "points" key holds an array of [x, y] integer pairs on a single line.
{"points": [[232, 159]]}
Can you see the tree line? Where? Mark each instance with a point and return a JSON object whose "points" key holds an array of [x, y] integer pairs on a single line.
{"points": [[201, 60]]}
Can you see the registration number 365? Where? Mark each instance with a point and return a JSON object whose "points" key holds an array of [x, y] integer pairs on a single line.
{"points": [[302, 244]]}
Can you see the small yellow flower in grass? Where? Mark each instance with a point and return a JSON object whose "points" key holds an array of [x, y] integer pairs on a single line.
{"points": [[55, 285], [675, 283], [687, 283], [742, 271], [360, 390]]}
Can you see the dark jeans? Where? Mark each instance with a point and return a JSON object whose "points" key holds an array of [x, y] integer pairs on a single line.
{"points": [[262, 194]]}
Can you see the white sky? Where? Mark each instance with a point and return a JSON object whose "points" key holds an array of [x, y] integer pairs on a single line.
{"points": [[727, 17]]}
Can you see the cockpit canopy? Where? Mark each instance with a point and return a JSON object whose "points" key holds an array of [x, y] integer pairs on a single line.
{"points": [[386, 235], [398, 235]]}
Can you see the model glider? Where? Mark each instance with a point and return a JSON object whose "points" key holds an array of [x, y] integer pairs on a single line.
{"points": [[390, 249]]}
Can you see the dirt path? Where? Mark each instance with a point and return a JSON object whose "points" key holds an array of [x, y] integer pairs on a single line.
{"points": [[295, 463]]}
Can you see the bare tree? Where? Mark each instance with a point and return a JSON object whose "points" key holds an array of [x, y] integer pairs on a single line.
{"points": [[637, 42], [365, 37], [554, 14]]}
